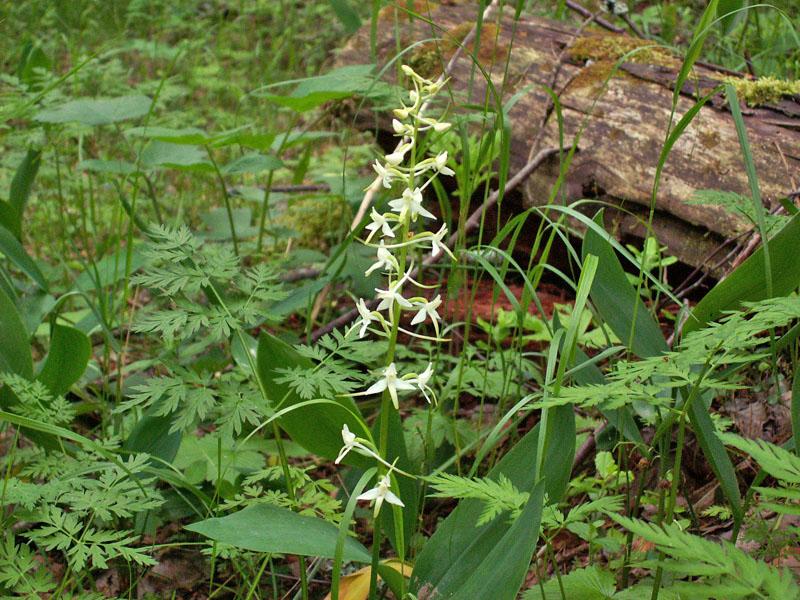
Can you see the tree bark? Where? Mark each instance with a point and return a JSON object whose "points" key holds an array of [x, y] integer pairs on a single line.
{"points": [[619, 111]]}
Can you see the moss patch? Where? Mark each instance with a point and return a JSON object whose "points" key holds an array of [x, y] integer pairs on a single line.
{"points": [[610, 48], [764, 90]]}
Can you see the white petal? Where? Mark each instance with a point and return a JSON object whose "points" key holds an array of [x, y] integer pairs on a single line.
{"points": [[392, 499], [402, 384], [369, 494], [393, 394], [418, 318], [376, 387]]}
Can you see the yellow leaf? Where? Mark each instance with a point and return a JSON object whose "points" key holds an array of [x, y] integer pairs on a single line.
{"points": [[356, 585]]}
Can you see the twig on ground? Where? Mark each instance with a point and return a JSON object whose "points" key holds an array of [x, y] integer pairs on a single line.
{"points": [[585, 12]]}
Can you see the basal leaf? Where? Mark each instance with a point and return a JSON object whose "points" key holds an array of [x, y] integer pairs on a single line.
{"points": [[13, 251], [748, 282], [266, 528], [458, 548], [66, 359], [617, 302], [15, 348], [317, 427], [97, 111]]}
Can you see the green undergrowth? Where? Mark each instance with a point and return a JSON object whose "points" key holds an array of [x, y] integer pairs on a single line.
{"points": [[193, 198]]}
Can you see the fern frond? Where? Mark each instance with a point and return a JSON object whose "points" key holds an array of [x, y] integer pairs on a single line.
{"points": [[776, 461], [497, 495]]}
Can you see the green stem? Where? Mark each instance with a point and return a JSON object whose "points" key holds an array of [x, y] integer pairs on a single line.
{"points": [[226, 199]]}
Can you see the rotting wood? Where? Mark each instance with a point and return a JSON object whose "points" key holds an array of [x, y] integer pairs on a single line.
{"points": [[624, 120]]}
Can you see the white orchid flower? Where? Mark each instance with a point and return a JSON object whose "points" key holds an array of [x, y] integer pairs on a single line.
{"points": [[386, 261], [390, 381], [379, 223], [385, 173], [437, 243], [350, 442], [380, 494], [367, 317], [440, 163], [421, 381], [392, 294], [427, 310], [410, 203]]}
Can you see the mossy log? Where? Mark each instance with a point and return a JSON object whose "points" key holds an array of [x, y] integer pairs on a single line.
{"points": [[621, 113]]}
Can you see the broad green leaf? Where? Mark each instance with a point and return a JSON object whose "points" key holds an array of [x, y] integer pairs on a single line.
{"points": [[151, 435], [346, 15], [66, 359], [617, 302], [337, 84], [15, 348], [209, 458], [717, 456], [189, 136], [318, 427], [23, 180], [13, 251], [175, 156], [457, 547], [728, 11], [748, 282], [11, 211], [502, 573], [111, 167], [266, 528], [408, 488], [252, 163], [97, 111], [192, 136]]}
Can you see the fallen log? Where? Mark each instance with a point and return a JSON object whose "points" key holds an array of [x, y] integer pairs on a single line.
{"points": [[621, 107]]}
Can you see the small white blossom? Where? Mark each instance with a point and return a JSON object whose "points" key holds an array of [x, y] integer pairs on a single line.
{"points": [[366, 317], [390, 382], [379, 222], [422, 380], [381, 493], [437, 243], [411, 203], [386, 261], [441, 126], [385, 173], [440, 164], [428, 310], [392, 294], [350, 442]]}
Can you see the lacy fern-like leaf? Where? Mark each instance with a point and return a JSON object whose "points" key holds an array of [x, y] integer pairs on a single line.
{"points": [[497, 495], [776, 461], [724, 570], [36, 401]]}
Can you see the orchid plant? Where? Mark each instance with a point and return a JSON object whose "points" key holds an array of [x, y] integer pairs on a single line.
{"points": [[397, 236]]}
